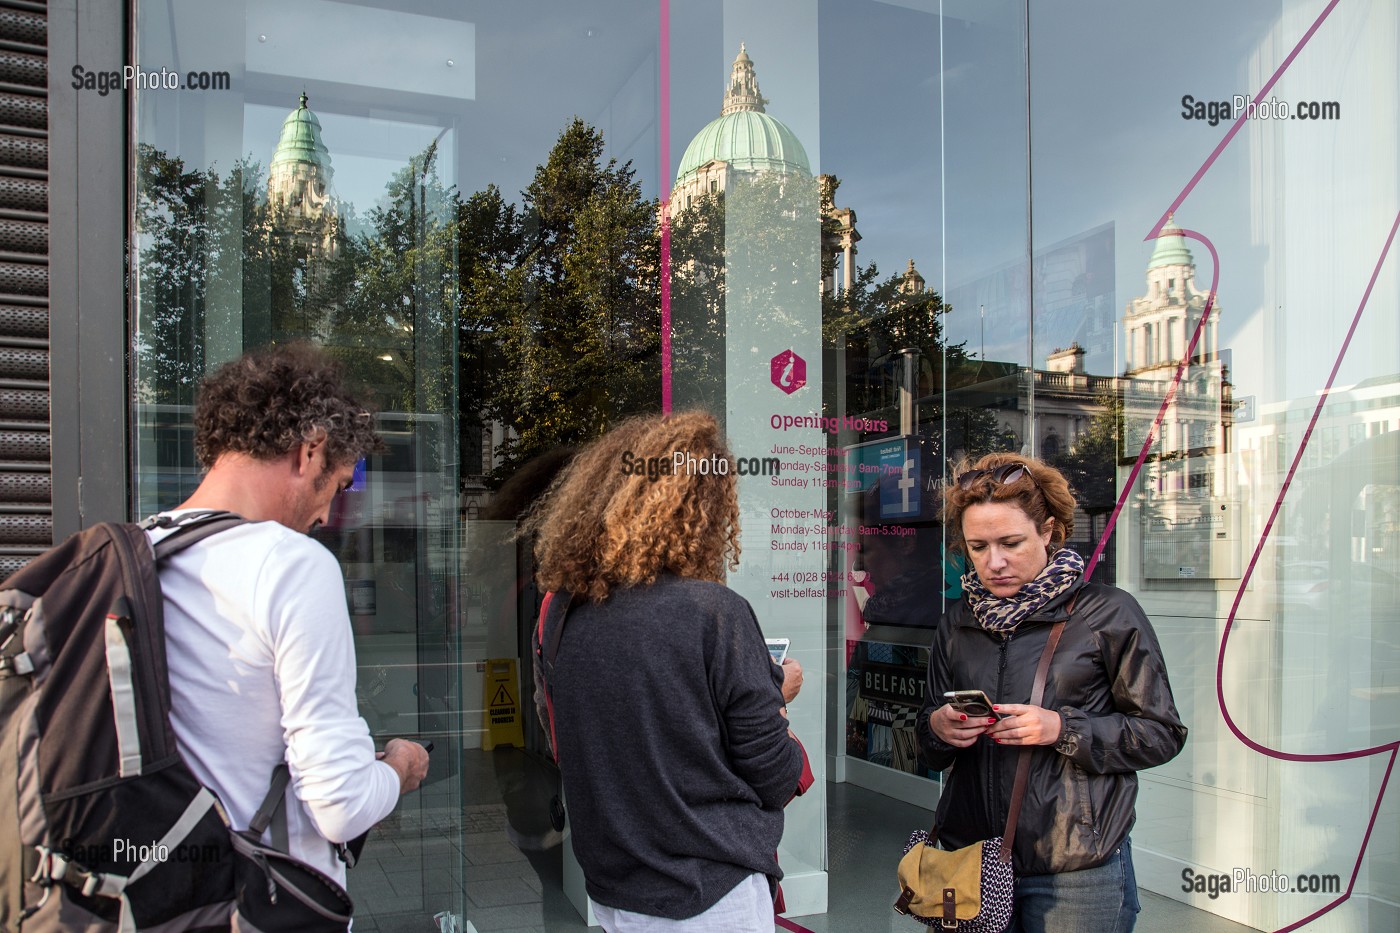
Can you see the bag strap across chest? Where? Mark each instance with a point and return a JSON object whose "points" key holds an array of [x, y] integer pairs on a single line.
{"points": [[1023, 763]]}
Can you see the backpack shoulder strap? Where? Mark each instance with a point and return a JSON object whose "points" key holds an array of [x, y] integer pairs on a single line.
{"points": [[539, 623], [547, 643], [552, 651], [277, 788], [189, 529]]}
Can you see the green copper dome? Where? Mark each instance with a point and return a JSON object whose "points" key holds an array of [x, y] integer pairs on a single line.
{"points": [[1170, 249], [748, 141], [744, 136], [301, 139]]}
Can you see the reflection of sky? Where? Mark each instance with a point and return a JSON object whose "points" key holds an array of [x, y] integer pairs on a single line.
{"points": [[859, 82], [1110, 145], [323, 40], [880, 102], [1117, 150], [781, 36]]}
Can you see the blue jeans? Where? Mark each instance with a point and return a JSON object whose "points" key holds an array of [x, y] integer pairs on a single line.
{"points": [[1102, 899]]}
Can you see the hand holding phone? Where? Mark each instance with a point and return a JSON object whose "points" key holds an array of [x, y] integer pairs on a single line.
{"points": [[778, 648], [973, 704], [955, 728], [409, 759]]}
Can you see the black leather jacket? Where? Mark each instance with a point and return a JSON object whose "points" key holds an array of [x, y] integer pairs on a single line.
{"points": [[1109, 683]]}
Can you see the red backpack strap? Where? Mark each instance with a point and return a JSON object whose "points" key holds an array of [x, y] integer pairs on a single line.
{"points": [[544, 660], [806, 779], [539, 626]]}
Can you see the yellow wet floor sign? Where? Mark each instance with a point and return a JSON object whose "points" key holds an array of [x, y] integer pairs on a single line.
{"points": [[501, 719]]}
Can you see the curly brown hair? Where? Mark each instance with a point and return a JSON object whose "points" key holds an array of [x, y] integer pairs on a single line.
{"points": [[1041, 493], [603, 525], [269, 401]]}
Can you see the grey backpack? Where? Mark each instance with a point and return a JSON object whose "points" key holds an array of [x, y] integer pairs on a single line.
{"points": [[102, 825]]}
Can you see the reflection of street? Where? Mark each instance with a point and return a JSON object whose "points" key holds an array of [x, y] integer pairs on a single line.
{"points": [[498, 827], [399, 696], [904, 578]]}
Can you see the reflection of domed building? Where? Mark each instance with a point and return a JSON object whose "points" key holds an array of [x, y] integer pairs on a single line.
{"points": [[1158, 326], [299, 185], [742, 138], [745, 138]]}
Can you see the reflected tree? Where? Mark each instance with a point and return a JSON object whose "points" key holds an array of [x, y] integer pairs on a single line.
{"points": [[561, 314], [172, 228], [697, 303], [552, 303], [1091, 464], [391, 295]]}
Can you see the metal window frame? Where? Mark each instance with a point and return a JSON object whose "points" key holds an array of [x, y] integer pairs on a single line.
{"points": [[88, 299]]}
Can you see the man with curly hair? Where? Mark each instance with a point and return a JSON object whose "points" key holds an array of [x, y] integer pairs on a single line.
{"points": [[259, 643]]}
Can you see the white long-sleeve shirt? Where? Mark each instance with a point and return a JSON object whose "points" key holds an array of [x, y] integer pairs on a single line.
{"points": [[262, 665]]}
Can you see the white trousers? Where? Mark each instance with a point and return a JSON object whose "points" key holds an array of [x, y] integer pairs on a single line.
{"points": [[746, 909]]}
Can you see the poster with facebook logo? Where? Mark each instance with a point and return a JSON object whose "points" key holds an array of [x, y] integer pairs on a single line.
{"points": [[898, 478]]}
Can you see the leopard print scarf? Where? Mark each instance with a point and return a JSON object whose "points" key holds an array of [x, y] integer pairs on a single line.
{"points": [[997, 614]]}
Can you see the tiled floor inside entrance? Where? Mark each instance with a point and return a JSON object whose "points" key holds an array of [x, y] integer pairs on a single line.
{"points": [[490, 849]]}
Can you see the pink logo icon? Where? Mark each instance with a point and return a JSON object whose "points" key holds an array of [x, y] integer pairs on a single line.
{"points": [[789, 371]]}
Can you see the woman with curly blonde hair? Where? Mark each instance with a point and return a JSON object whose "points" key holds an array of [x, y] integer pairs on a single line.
{"points": [[667, 709]]}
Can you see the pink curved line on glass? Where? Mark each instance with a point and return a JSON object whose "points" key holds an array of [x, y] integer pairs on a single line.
{"points": [[664, 66], [1391, 747], [1269, 525]]}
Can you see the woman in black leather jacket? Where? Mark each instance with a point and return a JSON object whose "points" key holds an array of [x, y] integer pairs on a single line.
{"points": [[1107, 711]]}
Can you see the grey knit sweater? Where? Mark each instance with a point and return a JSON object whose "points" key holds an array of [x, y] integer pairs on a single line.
{"points": [[676, 761]]}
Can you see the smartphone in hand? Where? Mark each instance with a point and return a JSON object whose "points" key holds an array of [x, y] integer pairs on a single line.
{"points": [[778, 648], [971, 703]]}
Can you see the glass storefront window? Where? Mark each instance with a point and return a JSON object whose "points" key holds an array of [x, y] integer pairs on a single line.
{"points": [[307, 194], [1245, 519], [876, 238]]}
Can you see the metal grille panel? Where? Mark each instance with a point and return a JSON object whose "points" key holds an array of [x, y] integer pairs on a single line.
{"points": [[18, 68], [23, 405], [24, 194], [26, 479], [29, 323], [27, 529], [22, 278], [25, 487], [23, 236], [23, 110], [16, 363], [24, 152], [24, 26], [24, 445]]}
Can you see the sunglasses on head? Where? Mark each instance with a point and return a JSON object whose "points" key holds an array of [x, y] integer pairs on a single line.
{"points": [[1003, 475]]}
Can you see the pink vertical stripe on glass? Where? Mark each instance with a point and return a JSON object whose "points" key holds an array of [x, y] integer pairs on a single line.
{"points": [[664, 42]]}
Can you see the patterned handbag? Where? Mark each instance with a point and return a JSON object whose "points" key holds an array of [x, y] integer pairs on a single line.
{"points": [[972, 889]]}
